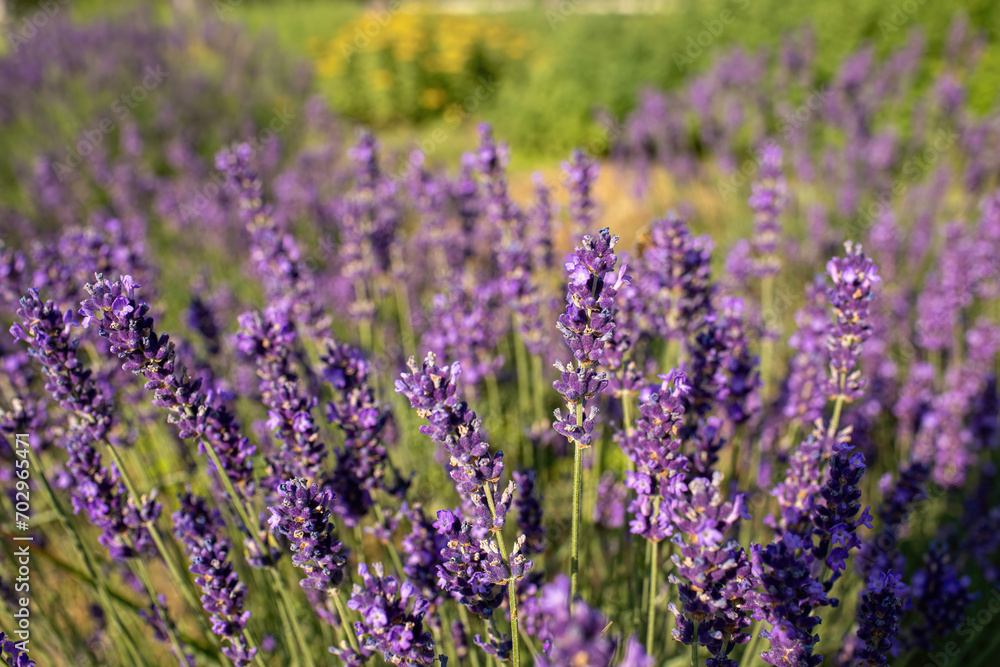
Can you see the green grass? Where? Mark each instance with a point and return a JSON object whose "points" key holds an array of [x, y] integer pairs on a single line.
{"points": [[585, 62]]}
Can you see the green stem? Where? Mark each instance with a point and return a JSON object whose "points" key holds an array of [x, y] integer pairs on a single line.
{"points": [[175, 571], [539, 396], [767, 346], [651, 616], [493, 398], [523, 396], [252, 643], [467, 627], [265, 552], [837, 407], [147, 581], [752, 646], [511, 583], [100, 587], [574, 558], [342, 613], [397, 562], [694, 647]]}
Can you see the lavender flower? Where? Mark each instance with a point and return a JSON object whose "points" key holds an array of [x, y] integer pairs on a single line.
{"points": [[568, 637], [805, 398], [16, 656], [789, 596], [362, 460], [878, 616], [288, 283], [200, 530], [268, 339], [123, 320], [390, 624], [654, 448], [768, 200], [96, 489], [675, 290], [468, 572], [714, 577], [722, 368], [941, 598], [303, 516], [581, 173], [527, 502], [609, 510], [836, 519], [423, 546], [854, 277], [587, 326]]}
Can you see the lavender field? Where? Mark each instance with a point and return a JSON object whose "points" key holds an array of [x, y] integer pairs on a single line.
{"points": [[297, 380]]}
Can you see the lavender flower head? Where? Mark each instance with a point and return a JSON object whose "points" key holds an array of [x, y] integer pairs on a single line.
{"points": [[16, 657], [568, 637], [581, 173], [879, 614], [854, 278], [97, 489], [390, 624], [303, 516], [587, 326], [789, 596], [654, 447], [200, 530], [713, 575], [123, 320], [768, 199]]}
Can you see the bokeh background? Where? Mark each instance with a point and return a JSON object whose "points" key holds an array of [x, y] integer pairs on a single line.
{"points": [[121, 106]]}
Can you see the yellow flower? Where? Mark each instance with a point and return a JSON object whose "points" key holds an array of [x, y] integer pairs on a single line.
{"points": [[382, 80], [432, 98]]}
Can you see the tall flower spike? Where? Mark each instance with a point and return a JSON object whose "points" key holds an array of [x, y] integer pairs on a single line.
{"points": [[123, 320], [676, 286], [768, 200], [433, 392], [654, 448], [303, 516], [289, 284], [268, 338], [789, 596], [581, 173], [836, 518], [854, 278], [587, 326], [878, 618], [97, 489], [362, 461], [200, 530], [713, 576], [390, 624]]}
